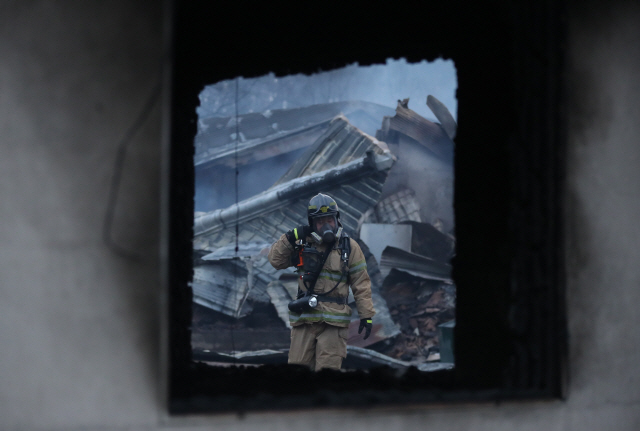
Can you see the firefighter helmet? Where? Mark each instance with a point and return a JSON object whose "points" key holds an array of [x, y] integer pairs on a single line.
{"points": [[322, 205]]}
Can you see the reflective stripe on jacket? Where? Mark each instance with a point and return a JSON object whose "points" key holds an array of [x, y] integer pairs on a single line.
{"points": [[358, 278]]}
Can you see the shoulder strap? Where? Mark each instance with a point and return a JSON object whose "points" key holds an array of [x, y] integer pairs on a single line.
{"points": [[345, 252], [321, 266]]}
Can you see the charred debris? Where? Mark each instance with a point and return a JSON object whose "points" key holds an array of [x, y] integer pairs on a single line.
{"points": [[392, 175]]}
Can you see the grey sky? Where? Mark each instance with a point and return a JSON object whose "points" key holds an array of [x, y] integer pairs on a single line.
{"points": [[383, 84]]}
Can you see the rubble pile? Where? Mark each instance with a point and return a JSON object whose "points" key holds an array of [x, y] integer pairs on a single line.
{"points": [[395, 193], [417, 306]]}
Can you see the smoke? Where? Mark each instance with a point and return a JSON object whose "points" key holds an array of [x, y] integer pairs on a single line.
{"points": [[215, 188], [382, 84]]}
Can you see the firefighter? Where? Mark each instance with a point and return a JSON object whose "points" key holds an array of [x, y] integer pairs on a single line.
{"points": [[329, 262]]}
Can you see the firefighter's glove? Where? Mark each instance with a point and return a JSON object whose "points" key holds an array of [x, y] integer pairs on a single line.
{"points": [[301, 232], [365, 324]]}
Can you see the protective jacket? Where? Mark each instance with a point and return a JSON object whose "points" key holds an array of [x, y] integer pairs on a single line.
{"points": [[329, 312]]}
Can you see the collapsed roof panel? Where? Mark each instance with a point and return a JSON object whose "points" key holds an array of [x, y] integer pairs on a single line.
{"points": [[254, 150], [398, 207], [339, 144], [263, 135], [368, 172], [422, 167]]}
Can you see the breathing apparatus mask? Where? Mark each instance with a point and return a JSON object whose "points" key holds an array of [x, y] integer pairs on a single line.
{"points": [[326, 233]]}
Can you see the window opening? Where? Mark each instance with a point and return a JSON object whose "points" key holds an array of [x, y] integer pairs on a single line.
{"points": [[258, 144]]}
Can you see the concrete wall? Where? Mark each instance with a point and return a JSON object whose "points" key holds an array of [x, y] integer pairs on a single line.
{"points": [[79, 324]]}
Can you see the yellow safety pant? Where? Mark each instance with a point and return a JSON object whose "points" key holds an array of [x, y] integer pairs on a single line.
{"points": [[318, 345]]}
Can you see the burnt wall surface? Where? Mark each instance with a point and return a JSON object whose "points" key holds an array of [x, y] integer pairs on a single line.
{"points": [[81, 321], [509, 254]]}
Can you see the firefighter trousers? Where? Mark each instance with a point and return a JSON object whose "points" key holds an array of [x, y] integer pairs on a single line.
{"points": [[318, 345]]}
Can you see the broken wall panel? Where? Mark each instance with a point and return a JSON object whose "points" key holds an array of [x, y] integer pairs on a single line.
{"points": [[428, 241], [221, 286], [420, 266], [378, 236], [431, 135], [447, 122]]}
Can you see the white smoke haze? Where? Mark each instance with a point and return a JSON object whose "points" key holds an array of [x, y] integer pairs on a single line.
{"points": [[383, 84]]}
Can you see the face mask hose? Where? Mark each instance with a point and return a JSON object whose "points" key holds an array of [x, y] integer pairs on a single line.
{"points": [[327, 233]]}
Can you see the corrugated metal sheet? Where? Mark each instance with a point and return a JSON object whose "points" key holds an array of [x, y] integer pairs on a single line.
{"points": [[248, 249], [357, 358], [341, 143], [356, 186], [401, 206], [398, 207]]}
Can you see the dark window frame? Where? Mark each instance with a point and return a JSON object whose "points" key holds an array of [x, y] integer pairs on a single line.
{"points": [[510, 338]]}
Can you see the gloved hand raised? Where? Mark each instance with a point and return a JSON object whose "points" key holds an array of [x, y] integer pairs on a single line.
{"points": [[365, 323], [301, 232]]}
